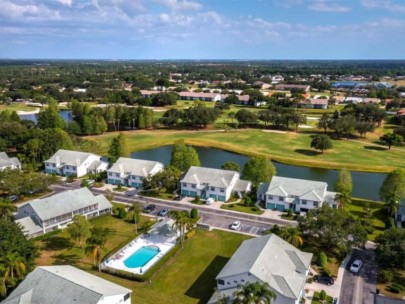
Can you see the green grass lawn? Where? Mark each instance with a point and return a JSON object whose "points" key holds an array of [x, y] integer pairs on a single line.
{"points": [[188, 277], [399, 279], [240, 207], [60, 249], [16, 107], [290, 148], [377, 210]]}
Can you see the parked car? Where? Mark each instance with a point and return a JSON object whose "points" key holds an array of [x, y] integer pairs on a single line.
{"points": [[356, 265], [235, 225], [209, 201], [163, 212], [150, 208], [13, 198], [178, 198], [90, 182], [324, 279]]}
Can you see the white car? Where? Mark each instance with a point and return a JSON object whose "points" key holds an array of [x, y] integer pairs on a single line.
{"points": [[356, 265], [235, 225]]}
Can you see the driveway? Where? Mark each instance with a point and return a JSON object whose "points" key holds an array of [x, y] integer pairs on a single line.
{"points": [[360, 288]]}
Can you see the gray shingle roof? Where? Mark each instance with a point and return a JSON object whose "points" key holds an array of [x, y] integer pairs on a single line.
{"points": [[304, 189], [212, 177], [241, 185], [6, 161], [272, 260], [29, 226], [70, 158], [138, 167], [63, 285], [66, 202]]}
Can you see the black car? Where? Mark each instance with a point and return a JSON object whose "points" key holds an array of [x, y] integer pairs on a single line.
{"points": [[150, 208], [324, 279], [178, 197]]}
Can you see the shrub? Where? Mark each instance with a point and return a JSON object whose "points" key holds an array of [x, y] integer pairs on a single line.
{"points": [[394, 289], [190, 234], [322, 259], [390, 223], [327, 271], [197, 199], [385, 276], [122, 213], [322, 295], [310, 280], [194, 213], [397, 286], [71, 178], [248, 201], [254, 209], [289, 213]]}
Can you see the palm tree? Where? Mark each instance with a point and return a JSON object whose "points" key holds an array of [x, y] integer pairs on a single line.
{"points": [[6, 209], [392, 204], [4, 275], [182, 222], [14, 264], [135, 215], [254, 293], [292, 235], [344, 198], [96, 243]]}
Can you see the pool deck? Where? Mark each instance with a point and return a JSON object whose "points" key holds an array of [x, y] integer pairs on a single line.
{"points": [[117, 260]]}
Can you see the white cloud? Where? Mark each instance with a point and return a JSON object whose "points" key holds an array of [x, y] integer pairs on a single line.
{"points": [[328, 6], [66, 2], [29, 10], [180, 4], [384, 4]]}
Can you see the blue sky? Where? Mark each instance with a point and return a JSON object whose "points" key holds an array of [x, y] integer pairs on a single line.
{"points": [[202, 29]]}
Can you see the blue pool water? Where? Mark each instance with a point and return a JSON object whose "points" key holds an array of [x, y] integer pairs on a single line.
{"points": [[141, 257]]}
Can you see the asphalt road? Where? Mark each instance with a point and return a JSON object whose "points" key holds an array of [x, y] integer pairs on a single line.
{"points": [[218, 218], [360, 288]]}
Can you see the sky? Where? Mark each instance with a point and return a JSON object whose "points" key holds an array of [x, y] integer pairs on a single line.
{"points": [[202, 29]]}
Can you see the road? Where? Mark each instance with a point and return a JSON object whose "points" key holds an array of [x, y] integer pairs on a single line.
{"points": [[218, 218], [360, 288]]}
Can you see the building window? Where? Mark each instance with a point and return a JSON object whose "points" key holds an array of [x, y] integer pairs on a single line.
{"points": [[221, 282], [236, 282], [270, 197], [212, 188], [110, 173], [316, 204], [281, 199], [67, 167], [222, 190], [117, 174], [127, 296], [304, 202], [193, 185], [184, 184], [242, 280]]}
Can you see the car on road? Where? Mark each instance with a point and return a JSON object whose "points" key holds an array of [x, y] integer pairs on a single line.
{"points": [[324, 279], [178, 198], [235, 225], [150, 208], [163, 212], [356, 265]]}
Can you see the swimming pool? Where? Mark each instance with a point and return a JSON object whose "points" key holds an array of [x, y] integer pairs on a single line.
{"points": [[142, 256]]}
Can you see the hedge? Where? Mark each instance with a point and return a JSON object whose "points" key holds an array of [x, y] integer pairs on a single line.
{"points": [[147, 275]]}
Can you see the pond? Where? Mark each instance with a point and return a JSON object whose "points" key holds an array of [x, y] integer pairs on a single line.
{"points": [[65, 114], [365, 185]]}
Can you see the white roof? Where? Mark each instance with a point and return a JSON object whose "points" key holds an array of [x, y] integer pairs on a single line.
{"points": [[271, 259], [138, 167], [211, 177], [6, 161], [63, 285], [70, 158], [304, 189], [66, 202], [29, 226]]}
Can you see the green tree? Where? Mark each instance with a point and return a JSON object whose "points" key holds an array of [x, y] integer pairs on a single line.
{"points": [[321, 142], [135, 215], [391, 248], [298, 118], [344, 186], [96, 243], [7, 209], [255, 292], [79, 229], [167, 179], [183, 156], [292, 235], [118, 148], [259, 169], [393, 190], [246, 117], [324, 122], [391, 139], [364, 127], [182, 222], [230, 165], [14, 263], [50, 118]]}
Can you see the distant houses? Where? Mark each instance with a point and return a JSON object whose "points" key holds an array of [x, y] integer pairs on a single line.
{"points": [[289, 87], [44, 215], [266, 259], [200, 96], [299, 195], [313, 103], [213, 183], [131, 172], [66, 163], [7, 162], [67, 284]]}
